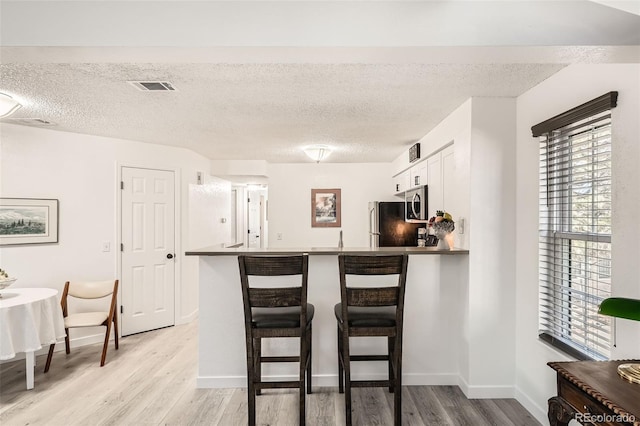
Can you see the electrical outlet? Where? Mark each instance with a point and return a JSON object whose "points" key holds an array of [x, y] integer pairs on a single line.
{"points": [[279, 236], [106, 246], [461, 225]]}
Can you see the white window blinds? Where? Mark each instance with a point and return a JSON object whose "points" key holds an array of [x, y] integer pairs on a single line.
{"points": [[575, 228]]}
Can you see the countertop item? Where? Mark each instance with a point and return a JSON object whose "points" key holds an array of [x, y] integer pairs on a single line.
{"points": [[219, 251]]}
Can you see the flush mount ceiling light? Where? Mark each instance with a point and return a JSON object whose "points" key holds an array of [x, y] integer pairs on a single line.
{"points": [[317, 152], [8, 105]]}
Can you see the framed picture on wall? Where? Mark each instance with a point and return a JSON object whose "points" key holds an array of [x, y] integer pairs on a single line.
{"points": [[28, 221], [325, 208]]}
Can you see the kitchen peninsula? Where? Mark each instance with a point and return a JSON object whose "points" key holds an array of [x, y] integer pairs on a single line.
{"points": [[433, 321]]}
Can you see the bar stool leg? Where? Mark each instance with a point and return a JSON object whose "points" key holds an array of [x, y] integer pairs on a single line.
{"points": [[347, 377], [340, 361], [397, 397], [301, 374], [391, 362], [251, 392], [309, 358], [257, 362]]}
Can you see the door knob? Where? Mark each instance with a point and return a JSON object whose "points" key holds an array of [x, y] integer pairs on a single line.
{"points": [[169, 256]]}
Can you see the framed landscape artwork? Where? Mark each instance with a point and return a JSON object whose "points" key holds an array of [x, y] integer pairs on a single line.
{"points": [[28, 221], [325, 208]]}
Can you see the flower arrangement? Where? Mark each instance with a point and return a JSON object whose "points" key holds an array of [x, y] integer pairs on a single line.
{"points": [[442, 223], [5, 280]]}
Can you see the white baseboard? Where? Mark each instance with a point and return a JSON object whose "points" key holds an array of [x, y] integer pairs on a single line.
{"points": [[485, 392], [188, 318], [327, 380], [536, 411]]}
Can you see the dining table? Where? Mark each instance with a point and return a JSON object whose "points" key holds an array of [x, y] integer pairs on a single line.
{"points": [[30, 319]]}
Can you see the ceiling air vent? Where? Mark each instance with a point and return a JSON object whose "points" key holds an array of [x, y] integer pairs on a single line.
{"points": [[152, 86], [29, 121]]}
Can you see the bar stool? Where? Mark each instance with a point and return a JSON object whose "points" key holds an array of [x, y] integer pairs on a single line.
{"points": [[371, 311], [276, 312]]}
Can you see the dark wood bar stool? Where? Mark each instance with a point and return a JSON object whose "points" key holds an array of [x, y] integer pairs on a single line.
{"points": [[276, 312], [371, 311]]}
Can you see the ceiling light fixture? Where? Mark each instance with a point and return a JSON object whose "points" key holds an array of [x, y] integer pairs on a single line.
{"points": [[317, 152], [8, 105]]}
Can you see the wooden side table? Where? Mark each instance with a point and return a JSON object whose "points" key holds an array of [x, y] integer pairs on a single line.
{"points": [[593, 392]]}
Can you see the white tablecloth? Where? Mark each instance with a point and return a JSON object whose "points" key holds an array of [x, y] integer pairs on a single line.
{"points": [[30, 318]]}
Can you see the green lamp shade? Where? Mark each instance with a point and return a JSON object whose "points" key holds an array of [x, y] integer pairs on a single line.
{"points": [[621, 307]]}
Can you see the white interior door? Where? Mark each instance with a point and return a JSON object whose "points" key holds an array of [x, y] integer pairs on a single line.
{"points": [[148, 249], [253, 219]]}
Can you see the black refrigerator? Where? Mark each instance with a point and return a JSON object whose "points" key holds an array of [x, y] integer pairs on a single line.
{"points": [[387, 227]]}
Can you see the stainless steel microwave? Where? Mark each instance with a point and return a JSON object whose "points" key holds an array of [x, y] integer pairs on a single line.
{"points": [[416, 209]]}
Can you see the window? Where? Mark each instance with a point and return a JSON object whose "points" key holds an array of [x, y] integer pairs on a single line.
{"points": [[575, 228]]}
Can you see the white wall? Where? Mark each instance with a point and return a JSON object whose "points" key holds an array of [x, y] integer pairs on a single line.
{"points": [[483, 132], [81, 172], [491, 294], [568, 88], [290, 201], [208, 205]]}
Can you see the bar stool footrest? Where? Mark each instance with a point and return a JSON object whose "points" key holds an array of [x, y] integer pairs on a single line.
{"points": [[369, 357], [280, 359], [277, 385], [371, 383]]}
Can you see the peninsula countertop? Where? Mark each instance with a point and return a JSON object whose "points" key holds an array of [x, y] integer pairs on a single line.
{"points": [[222, 251], [434, 328]]}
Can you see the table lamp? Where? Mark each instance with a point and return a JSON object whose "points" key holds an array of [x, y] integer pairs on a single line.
{"points": [[620, 307]]}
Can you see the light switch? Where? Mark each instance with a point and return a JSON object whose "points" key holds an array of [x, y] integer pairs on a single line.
{"points": [[106, 246]]}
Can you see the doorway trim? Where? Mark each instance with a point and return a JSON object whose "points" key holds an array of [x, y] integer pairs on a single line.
{"points": [[177, 207]]}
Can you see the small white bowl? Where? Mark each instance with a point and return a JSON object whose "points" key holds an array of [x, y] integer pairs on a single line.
{"points": [[7, 282]]}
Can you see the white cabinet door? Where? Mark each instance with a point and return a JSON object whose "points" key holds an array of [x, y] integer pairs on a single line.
{"points": [[401, 182], [448, 173], [148, 250], [418, 174], [434, 171]]}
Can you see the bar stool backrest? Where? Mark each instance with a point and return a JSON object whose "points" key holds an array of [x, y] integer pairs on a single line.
{"points": [[258, 297], [373, 265]]}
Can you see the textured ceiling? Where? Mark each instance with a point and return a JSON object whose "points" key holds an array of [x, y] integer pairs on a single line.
{"points": [[263, 111], [261, 80]]}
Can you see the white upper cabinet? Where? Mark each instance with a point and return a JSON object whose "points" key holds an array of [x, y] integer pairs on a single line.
{"points": [[436, 171], [440, 174], [434, 164], [401, 182], [418, 174], [448, 174]]}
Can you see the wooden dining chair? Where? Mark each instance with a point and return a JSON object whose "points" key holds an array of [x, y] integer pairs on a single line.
{"points": [[371, 310], [105, 318], [274, 312]]}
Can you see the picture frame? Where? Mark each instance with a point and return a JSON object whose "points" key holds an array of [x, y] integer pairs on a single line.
{"points": [[28, 221], [326, 208]]}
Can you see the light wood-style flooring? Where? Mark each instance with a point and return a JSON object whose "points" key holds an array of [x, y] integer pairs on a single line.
{"points": [[150, 380]]}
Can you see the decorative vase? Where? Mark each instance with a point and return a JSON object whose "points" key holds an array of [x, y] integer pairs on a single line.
{"points": [[443, 231], [445, 240]]}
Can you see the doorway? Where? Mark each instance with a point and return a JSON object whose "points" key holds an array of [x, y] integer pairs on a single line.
{"points": [[257, 217], [147, 251]]}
